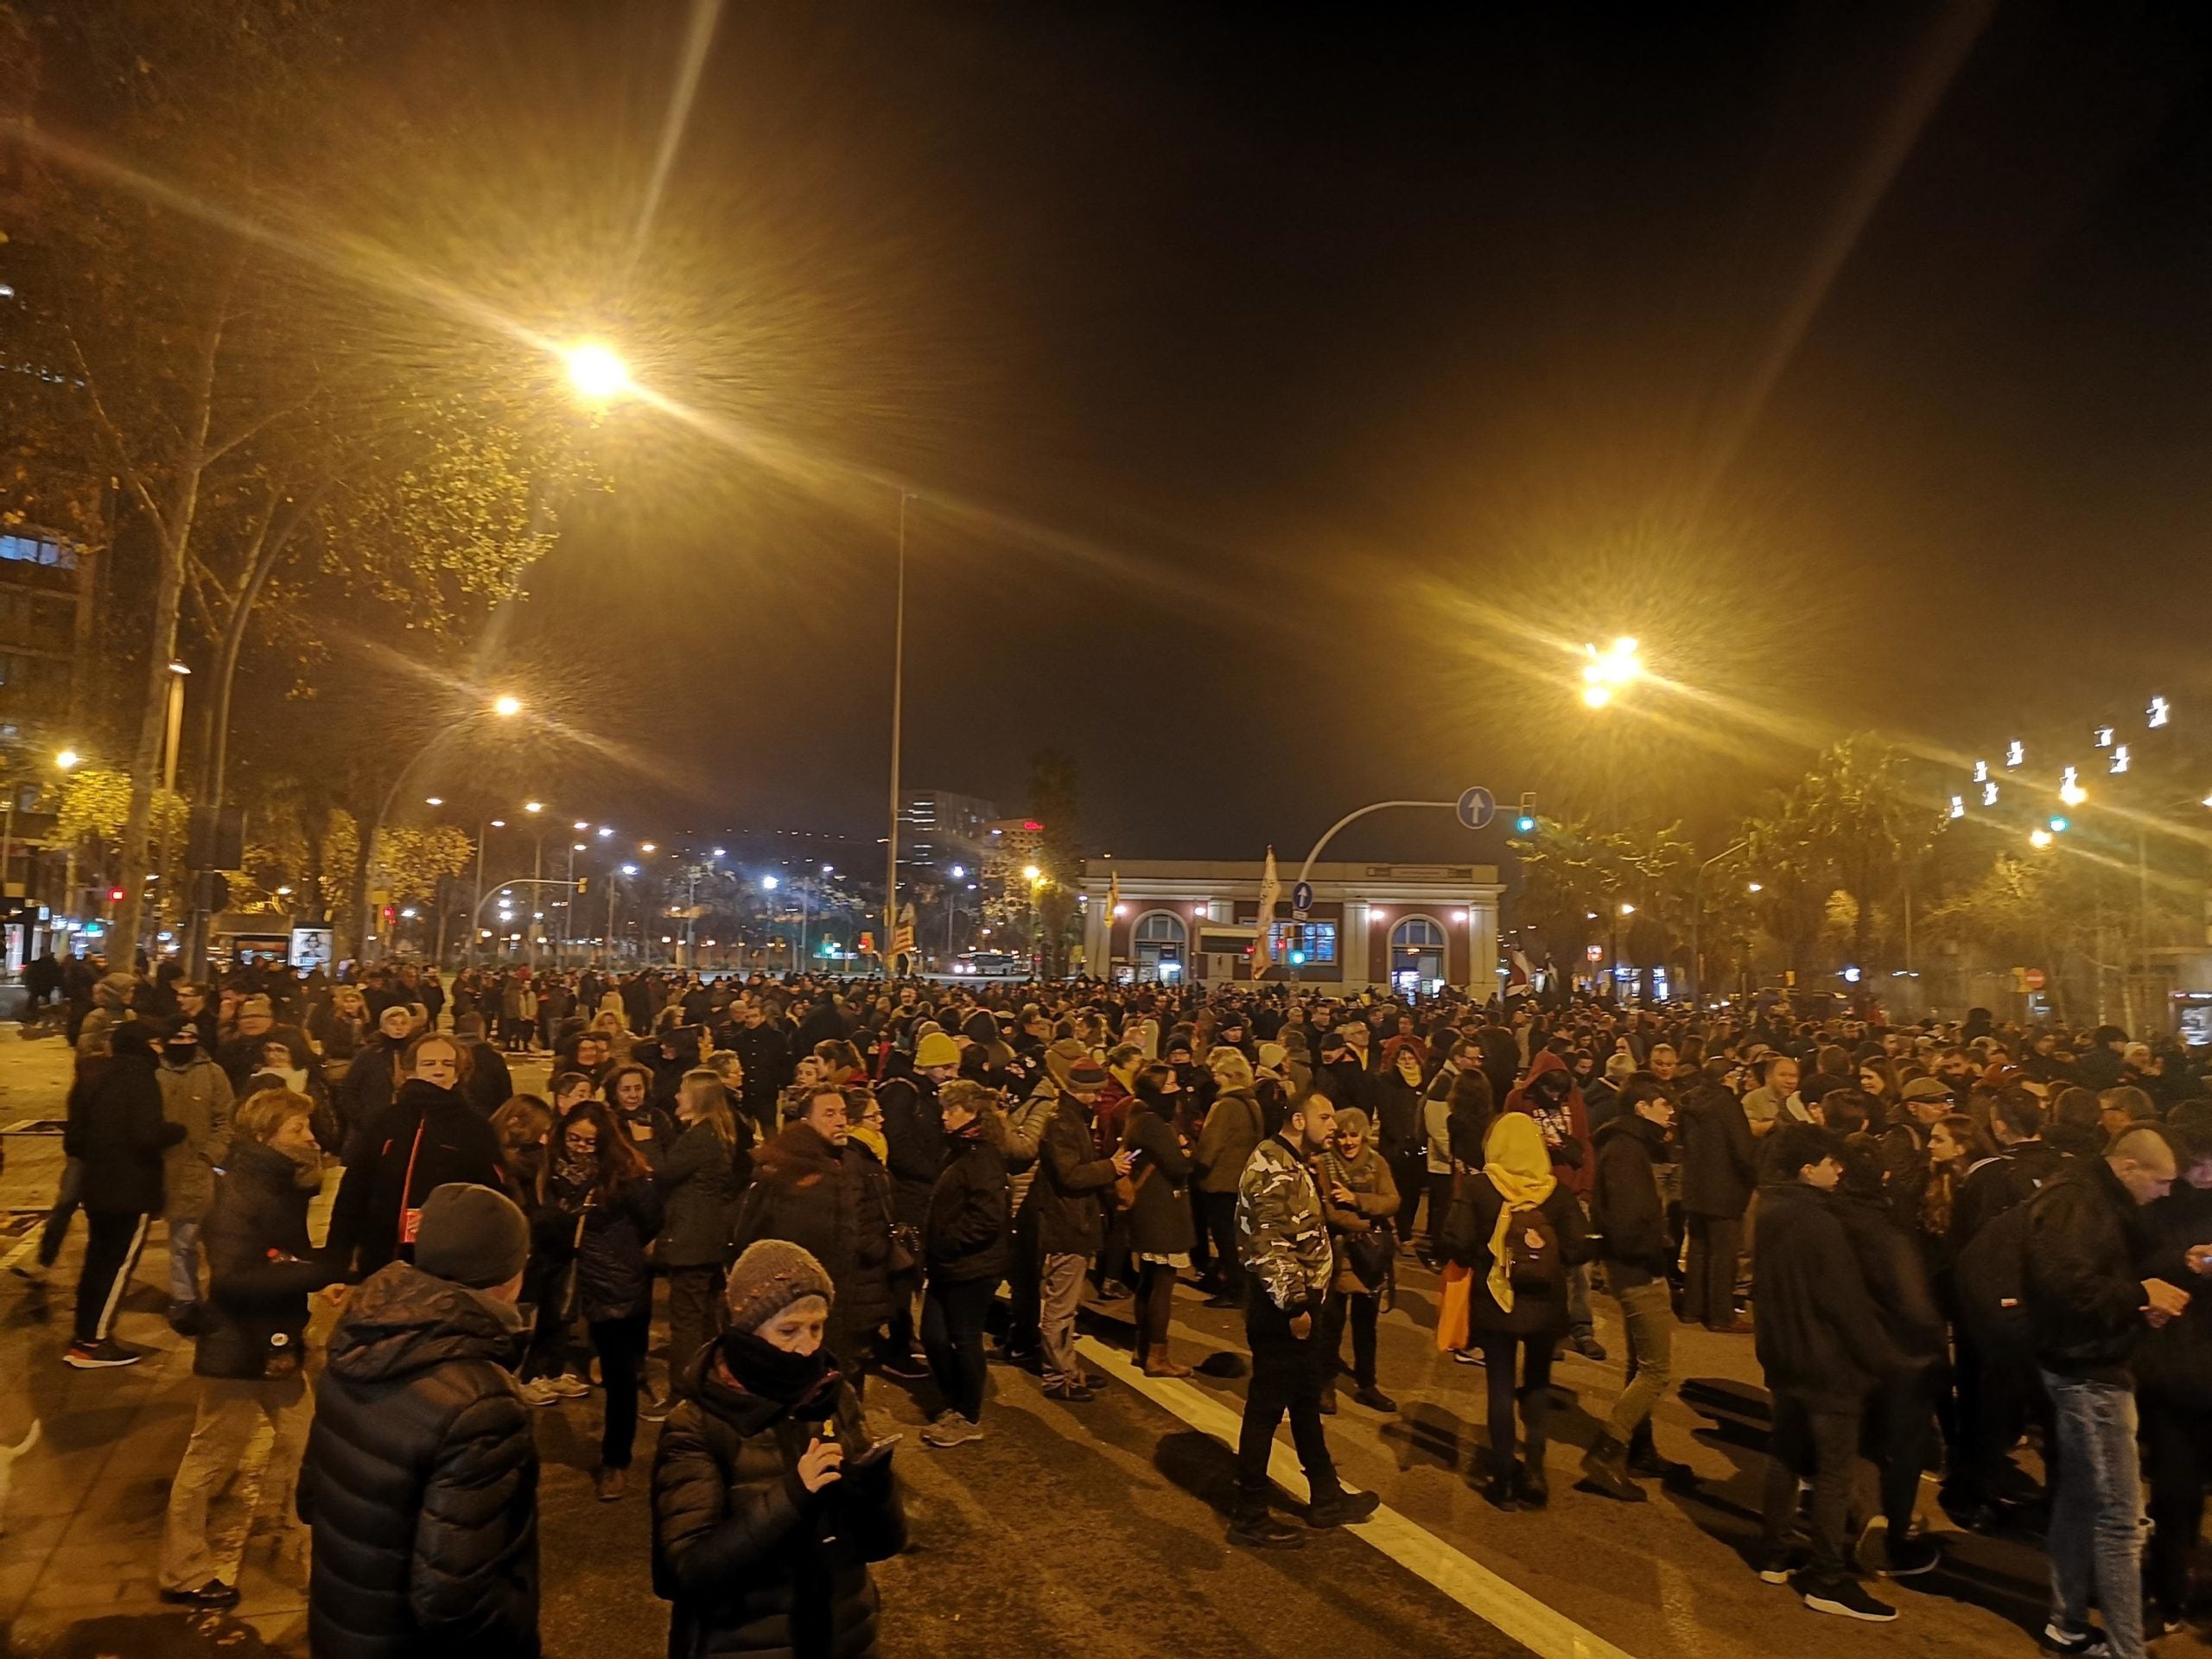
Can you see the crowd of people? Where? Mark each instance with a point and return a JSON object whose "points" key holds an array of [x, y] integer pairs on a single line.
{"points": [[1945, 1243]]}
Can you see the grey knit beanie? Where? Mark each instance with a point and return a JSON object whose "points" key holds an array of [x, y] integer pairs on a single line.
{"points": [[768, 1277]]}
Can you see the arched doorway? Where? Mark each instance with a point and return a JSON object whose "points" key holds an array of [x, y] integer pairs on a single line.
{"points": [[1417, 954], [1160, 944]]}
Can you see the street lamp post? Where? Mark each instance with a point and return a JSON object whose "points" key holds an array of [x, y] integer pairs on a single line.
{"points": [[898, 715], [505, 707], [1697, 920]]}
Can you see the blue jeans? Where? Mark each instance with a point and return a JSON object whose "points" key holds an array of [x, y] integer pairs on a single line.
{"points": [[2096, 1514], [184, 1263]]}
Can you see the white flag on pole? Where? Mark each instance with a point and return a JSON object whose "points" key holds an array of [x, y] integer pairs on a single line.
{"points": [[1270, 895]]}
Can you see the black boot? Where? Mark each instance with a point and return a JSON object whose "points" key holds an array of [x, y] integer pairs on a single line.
{"points": [[1535, 1491], [1503, 1488], [1643, 1459], [1604, 1471], [1250, 1525]]}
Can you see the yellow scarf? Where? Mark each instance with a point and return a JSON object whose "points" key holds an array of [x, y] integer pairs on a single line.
{"points": [[1517, 1163], [872, 1139]]}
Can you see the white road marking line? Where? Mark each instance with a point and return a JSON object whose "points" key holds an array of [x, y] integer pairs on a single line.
{"points": [[1512, 1610], [29, 1243]]}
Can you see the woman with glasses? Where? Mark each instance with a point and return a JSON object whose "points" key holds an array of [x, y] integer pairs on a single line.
{"points": [[609, 1209]]}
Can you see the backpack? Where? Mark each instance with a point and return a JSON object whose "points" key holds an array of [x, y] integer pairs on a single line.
{"points": [[1992, 1279], [1534, 1268]]}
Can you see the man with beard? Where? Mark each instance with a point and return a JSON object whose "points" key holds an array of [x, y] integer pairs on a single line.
{"points": [[1283, 1242]]}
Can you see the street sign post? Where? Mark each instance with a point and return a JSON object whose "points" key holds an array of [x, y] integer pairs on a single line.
{"points": [[1302, 900], [1478, 806], [2035, 979]]}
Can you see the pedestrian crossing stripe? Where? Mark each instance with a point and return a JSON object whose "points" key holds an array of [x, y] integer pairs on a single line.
{"points": [[1543, 1630]]}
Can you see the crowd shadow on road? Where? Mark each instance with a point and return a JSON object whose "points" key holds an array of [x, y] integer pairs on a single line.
{"points": [[2007, 1576]]}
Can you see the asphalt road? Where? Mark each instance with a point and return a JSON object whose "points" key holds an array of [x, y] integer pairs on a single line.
{"points": [[1084, 1530]]}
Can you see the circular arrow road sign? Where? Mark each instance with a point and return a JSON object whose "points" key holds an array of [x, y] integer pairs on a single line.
{"points": [[1478, 807]]}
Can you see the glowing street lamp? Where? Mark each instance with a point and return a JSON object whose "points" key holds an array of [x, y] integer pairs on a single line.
{"points": [[1609, 670], [2039, 838], [69, 759], [506, 706], [597, 372]]}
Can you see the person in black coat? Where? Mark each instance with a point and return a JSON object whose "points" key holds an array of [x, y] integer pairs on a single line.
{"points": [[372, 1078], [428, 1136], [2089, 1305], [420, 1483], [1162, 1228], [1529, 1234], [261, 1271], [1630, 1219], [610, 1209], [1719, 1170], [964, 1243], [117, 1131], [766, 1057], [1901, 1423], [2173, 1372], [1824, 1348], [769, 1501], [804, 1193]]}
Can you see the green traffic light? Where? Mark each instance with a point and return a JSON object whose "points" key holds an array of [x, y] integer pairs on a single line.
{"points": [[1525, 825]]}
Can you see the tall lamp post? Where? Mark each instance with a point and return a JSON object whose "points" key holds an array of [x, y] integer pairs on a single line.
{"points": [[1697, 919], [503, 707], [898, 715]]}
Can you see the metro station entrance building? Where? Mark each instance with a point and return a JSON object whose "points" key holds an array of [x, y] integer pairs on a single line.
{"points": [[1416, 926]]}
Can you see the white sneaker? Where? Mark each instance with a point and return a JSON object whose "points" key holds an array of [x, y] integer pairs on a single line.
{"points": [[538, 1391], [568, 1386]]}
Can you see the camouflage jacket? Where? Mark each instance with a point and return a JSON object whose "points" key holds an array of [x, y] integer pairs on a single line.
{"points": [[1280, 1237]]}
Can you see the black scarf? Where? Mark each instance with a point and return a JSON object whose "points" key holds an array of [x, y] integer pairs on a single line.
{"points": [[805, 1383]]}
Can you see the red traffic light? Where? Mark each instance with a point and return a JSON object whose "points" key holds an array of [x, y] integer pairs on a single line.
{"points": [[115, 895]]}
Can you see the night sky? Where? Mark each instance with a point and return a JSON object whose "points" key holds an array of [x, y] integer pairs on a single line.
{"points": [[1287, 394]]}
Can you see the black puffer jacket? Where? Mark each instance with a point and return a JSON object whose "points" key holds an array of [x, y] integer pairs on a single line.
{"points": [[965, 1235], [1720, 1159], [116, 1127], [754, 1563], [261, 1267], [420, 1483]]}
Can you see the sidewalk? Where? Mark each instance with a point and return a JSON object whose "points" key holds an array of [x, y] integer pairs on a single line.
{"points": [[80, 1522]]}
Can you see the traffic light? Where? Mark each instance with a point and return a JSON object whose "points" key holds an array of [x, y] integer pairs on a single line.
{"points": [[1525, 824], [583, 884], [115, 895]]}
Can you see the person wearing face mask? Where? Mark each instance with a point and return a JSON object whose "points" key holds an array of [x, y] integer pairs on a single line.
{"points": [[196, 1094], [427, 1138], [769, 1499], [420, 1483], [261, 1269]]}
